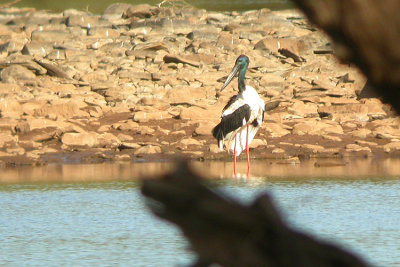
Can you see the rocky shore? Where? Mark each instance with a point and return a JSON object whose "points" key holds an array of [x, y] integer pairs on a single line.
{"points": [[143, 83]]}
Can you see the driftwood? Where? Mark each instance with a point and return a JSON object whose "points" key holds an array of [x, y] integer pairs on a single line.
{"points": [[366, 33], [226, 232]]}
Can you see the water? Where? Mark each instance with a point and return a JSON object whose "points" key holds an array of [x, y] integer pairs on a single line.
{"points": [[59, 220], [97, 6]]}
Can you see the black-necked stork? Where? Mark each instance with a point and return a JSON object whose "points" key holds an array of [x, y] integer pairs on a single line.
{"points": [[241, 117]]}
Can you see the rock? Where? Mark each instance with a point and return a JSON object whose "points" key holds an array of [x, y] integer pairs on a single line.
{"points": [[95, 76], [103, 128], [357, 148], [18, 151], [386, 132], [44, 135], [193, 60], [49, 36], [272, 81], [100, 32], [332, 138], [143, 130], [83, 21], [390, 147], [165, 25], [278, 151], [210, 34], [361, 133], [213, 148], [142, 116], [5, 30], [316, 128], [140, 11], [313, 148], [372, 110], [126, 126], [37, 49], [189, 141], [36, 123], [108, 140], [69, 109], [366, 143], [10, 108], [275, 129], [131, 145], [181, 132], [257, 142], [204, 128], [11, 47], [15, 73], [304, 109], [196, 113], [6, 138], [115, 11], [9, 89], [80, 139], [187, 95], [149, 149], [123, 157], [291, 47], [124, 137]]}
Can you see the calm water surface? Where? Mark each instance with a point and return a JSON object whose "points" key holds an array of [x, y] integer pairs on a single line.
{"points": [[61, 221]]}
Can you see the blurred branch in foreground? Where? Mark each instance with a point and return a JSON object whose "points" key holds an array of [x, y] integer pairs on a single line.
{"points": [[365, 32], [226, 232]]}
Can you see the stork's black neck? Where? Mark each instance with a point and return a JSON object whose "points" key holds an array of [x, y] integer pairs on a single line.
{"points": [[241, 77]]}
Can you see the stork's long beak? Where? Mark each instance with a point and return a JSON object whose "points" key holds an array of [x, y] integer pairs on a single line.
{"points": [[233, 73]]}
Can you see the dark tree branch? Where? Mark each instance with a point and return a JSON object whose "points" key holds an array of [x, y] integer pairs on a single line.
{"points": [[226, 232], [366, 33]]}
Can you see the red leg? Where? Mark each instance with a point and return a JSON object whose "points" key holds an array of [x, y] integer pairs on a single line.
{"points": [[234, 157], [247, 151]]}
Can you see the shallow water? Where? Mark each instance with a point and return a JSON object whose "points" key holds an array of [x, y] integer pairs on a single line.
{"points": [[102, 220]]}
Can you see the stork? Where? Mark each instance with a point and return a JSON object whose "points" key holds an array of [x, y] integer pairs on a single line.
{"points": [[242, 116]]}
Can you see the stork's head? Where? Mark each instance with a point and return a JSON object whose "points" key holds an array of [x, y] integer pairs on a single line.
{"points": [[241, 64]]}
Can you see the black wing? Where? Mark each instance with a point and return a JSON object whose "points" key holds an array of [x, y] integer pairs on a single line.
{"points": [[256, 123], [231, 122], [230, 102]]}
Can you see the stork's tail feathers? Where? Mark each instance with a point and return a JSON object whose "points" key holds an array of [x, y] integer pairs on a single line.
{"points": [[217, 132]]}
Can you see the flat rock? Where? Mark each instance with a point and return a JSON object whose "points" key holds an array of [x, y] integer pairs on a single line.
{"points": [[15, 73], [89, 139], [49, 36], [316, 128], [7, 138], [148, 149], [390, 147], [275, 129], [204, 128]]}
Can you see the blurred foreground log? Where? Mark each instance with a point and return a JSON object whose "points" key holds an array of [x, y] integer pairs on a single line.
{"points": [[226, 232], [367, 33]]}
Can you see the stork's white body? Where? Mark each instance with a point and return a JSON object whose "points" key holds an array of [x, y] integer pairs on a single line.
{"points": [[251, 98]]}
